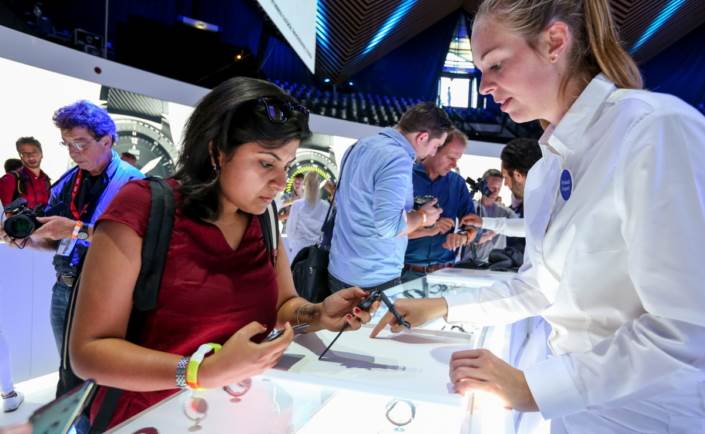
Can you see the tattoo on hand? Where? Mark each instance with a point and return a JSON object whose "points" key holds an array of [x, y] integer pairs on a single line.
{"points": [[306, 314]]}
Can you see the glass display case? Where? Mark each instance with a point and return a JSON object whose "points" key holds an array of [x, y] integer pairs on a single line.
{"points": [[394, 383]]}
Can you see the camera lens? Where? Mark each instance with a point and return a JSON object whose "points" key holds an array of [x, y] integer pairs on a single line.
{"points": [[19, 226]]}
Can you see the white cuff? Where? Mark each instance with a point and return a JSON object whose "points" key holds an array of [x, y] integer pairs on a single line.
{"points": [[491, 223], [464, 308], [553, 387]]}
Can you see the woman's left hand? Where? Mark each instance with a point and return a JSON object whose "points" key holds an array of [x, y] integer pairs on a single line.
{"points": [[341, 307], [481, 370]]}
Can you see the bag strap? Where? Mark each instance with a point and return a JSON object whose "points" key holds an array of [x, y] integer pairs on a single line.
{"points": [[19, 183], [154, 250], [155, 245], [340, 180], [269, 224]]}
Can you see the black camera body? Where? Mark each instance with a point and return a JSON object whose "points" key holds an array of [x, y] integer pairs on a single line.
{"points": [[420, 201], [478, 185], [23, 220]]}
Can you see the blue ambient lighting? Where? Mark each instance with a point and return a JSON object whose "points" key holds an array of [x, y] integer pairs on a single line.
{"points": [[389, 25], [661, 18], [322, 25]]}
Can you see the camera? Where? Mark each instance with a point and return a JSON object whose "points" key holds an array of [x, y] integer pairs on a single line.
{"points": [[23, 219], [478, 185], [420, 201]]}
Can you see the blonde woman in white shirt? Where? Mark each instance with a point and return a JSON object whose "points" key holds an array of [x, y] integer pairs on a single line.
{"points": [[615, 221], [306, 216]]}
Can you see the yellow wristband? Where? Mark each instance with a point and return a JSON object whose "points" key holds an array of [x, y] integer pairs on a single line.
{"points": [[195, 362]]}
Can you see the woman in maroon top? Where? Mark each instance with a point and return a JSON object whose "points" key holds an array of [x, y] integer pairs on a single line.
{"points": [[218, 283]]}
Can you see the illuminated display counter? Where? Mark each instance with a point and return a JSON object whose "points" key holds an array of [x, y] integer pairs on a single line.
{"points": [[362, 385]]}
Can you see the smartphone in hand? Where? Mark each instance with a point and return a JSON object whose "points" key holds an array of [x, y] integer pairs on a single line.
{"points": [[58, 416]]}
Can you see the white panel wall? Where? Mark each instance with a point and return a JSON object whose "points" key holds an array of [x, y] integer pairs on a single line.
{"points": [[26, 278]]}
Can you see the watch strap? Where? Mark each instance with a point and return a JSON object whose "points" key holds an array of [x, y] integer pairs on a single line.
{"points": [[124, 102], [181, 366]]}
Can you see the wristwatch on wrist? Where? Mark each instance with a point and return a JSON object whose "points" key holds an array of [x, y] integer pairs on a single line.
{"points": [[181, 373], [83, 232], [142, 130]]}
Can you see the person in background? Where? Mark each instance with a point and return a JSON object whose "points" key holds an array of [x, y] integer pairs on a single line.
{"points": [[518, 157], [619, 164], [129, 158], [11, 398], [306, 216], [479, 251], [285, 200], [374, 200], [12, 164], [78, 198], [28, 182], [435, 247]]}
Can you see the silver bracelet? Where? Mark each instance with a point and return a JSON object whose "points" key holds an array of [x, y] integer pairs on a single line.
{"points": [[181, 366]]}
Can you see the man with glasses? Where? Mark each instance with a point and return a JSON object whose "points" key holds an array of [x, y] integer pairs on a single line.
{"points": [[78, 198], [29, 181]]}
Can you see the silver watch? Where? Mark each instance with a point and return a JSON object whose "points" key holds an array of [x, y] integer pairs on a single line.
{"points": [[181, 372]]}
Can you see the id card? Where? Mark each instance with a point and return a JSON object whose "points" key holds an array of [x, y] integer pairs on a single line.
{"points": [[66, 246]]}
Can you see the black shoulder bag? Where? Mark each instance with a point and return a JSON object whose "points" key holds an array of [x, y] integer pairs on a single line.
{"points": [[310, 266]]}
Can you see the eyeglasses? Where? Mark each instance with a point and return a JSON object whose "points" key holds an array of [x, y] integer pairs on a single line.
{"points": [[279, 111], [78, 146]]}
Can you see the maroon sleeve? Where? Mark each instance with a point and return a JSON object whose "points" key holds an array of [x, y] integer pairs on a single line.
{"points": [[130, 207], [8, 184]]}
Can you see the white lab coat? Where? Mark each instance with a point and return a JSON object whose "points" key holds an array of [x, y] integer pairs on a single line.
{"points": [[616, 269], [505, 226]]}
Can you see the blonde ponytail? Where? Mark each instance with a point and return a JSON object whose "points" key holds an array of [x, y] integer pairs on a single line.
{"points": [[312, 184], [605, 48]]}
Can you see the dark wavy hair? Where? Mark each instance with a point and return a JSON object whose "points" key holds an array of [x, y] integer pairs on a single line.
{"points": [[231, 115], [87, 115], [520, 155], [29, 140], [425, 116]]}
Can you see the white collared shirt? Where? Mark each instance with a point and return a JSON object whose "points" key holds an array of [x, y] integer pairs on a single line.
{"points": [[617, 267], [505, 226]]}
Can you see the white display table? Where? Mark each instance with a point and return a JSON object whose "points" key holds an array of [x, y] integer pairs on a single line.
{"points": [[350, 390]]}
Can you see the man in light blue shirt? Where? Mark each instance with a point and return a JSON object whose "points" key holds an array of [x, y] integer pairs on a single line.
{"points": [[374, 200]]}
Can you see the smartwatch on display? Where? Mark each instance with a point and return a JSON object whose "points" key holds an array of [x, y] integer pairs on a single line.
{"points": [[142, 130], [313, 157]]}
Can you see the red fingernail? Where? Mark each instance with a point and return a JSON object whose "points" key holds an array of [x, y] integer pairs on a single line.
{"points": [[356, 309], [348, 316]]}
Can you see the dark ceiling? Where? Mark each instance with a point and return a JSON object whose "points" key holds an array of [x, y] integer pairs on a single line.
{"points": [[145, 33], [353, 23]]}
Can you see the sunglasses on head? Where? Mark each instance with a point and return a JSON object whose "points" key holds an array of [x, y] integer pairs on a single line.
{"points": [[279, 111]]}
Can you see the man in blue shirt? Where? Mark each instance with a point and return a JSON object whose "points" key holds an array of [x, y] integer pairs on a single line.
{"points": [[374, 200], [78, 198], [434, 247]]}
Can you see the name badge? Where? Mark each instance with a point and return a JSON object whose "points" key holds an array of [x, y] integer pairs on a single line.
{"points": [[66, 246], [566, 184]]}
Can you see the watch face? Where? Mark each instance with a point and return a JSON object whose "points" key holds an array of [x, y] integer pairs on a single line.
{"points": [[148, 144], [308, 160]]}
